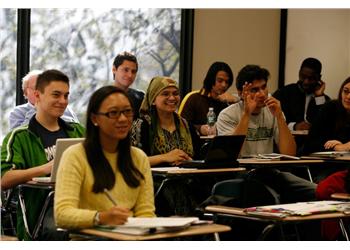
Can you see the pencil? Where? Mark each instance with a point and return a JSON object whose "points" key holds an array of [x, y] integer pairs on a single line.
{"points": [[109, 197]]}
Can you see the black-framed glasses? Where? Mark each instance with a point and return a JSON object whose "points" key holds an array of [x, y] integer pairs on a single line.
{"points": [[115, 114], [346, 91]]}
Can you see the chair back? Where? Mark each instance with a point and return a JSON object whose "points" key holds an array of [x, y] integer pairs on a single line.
{"points": [[247, 192]]}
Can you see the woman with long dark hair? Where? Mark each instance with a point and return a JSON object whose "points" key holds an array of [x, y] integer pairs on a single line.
{"points": [[195, 105], [332, 132], [331, 129], [104, 163]]}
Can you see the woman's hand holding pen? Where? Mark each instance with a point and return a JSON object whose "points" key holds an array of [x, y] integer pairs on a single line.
{"points": [[114, 216]]}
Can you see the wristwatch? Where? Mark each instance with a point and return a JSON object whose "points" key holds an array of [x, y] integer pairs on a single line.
{"points": [[97, 219]]}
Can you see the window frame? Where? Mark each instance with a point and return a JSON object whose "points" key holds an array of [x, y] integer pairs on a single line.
{"points": [[23, 50]]}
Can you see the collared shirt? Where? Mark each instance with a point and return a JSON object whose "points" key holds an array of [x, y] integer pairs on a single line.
{"points": [[21, 115]]}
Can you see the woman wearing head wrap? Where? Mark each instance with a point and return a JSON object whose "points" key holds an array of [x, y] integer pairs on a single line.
{"points": [[168, 139], [160, 131]]}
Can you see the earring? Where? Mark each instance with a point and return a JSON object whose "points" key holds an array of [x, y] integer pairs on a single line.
{"points": [[95, 124]]}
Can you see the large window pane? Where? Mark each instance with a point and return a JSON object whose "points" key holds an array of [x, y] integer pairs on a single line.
{"points": [[8, 41], [83, 43]]}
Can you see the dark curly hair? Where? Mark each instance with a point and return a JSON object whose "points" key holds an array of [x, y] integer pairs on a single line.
{"points": [[249, 73]]}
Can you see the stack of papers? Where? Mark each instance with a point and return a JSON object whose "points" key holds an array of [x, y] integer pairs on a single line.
{"points": [[300, 208], [144, 226]]}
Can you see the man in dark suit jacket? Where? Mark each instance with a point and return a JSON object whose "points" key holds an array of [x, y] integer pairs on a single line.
{"points": [[301, 101]]}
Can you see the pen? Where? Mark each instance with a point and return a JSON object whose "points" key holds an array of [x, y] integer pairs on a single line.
{"points": [[109, 197]]}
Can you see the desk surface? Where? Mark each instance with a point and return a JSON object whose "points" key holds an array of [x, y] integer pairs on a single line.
{"points": [[182, 171], [7, 238], [255, 161], [339, 159], [38, 183], [300, 132], [240, 213], [341, 196], [193, 230]]}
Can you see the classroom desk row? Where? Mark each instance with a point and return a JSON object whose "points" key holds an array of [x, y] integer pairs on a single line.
{"points": [[175, 172], [273, 222], [93, 233], [214, 229]]}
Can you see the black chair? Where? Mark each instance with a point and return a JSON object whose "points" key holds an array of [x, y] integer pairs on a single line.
{"points": [[243, 193], [229, 188], [246, 192], [8, 212]]}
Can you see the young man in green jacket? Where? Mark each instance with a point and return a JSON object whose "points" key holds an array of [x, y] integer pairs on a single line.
{"points": [[28, 151]]}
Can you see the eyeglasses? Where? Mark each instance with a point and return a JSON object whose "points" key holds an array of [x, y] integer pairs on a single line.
{"points": [[346, 91], [167, 94], [115, 114]]}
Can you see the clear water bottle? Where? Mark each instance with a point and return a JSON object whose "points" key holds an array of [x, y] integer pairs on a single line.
{"points": [[211, 120]]}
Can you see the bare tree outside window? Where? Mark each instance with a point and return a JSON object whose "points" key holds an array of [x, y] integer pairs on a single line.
{"points": [[83, 43], [8, 42]]}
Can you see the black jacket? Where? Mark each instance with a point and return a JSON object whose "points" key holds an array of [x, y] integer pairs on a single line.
{"points": [[292, 98]]}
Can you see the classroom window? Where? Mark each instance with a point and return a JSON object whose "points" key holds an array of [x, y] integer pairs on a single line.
{"points": [[83, 43], [8, 46]]}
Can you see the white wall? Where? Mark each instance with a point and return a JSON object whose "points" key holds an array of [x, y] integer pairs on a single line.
{"points": [[237, 37], [324, 34]]}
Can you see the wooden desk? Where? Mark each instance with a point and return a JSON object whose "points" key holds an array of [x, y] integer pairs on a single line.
{"points": [[341, 196], [254, 162], [172, 172], [191, 231], [300, 132], [185, 171], [339, 159], [238, 212], [8, 238], [276, 221]]}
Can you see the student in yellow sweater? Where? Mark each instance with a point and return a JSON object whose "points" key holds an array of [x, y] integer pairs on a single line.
{"points": [[105, 160]]}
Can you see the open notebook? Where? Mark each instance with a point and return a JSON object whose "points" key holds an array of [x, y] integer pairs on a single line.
{"points": [[144, 226], [61, 145], [223, 152]]}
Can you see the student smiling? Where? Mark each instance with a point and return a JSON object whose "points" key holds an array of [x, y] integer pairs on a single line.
{"points": [[105, 161]]}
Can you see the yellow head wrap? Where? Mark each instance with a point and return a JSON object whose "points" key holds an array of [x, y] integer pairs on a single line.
{"points": [[156, 85]]}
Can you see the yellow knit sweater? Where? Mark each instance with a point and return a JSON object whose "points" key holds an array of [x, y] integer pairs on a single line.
{"points": [[75, 204]]}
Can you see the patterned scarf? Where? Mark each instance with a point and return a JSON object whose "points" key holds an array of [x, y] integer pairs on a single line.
{"points": [[163, 141]]}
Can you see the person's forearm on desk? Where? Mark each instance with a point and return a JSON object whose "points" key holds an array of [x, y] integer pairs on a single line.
{"points": [[15, 177], [176, 155]]}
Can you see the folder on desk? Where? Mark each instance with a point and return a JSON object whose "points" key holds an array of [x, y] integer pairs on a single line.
{"points": [[144, 226]]}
